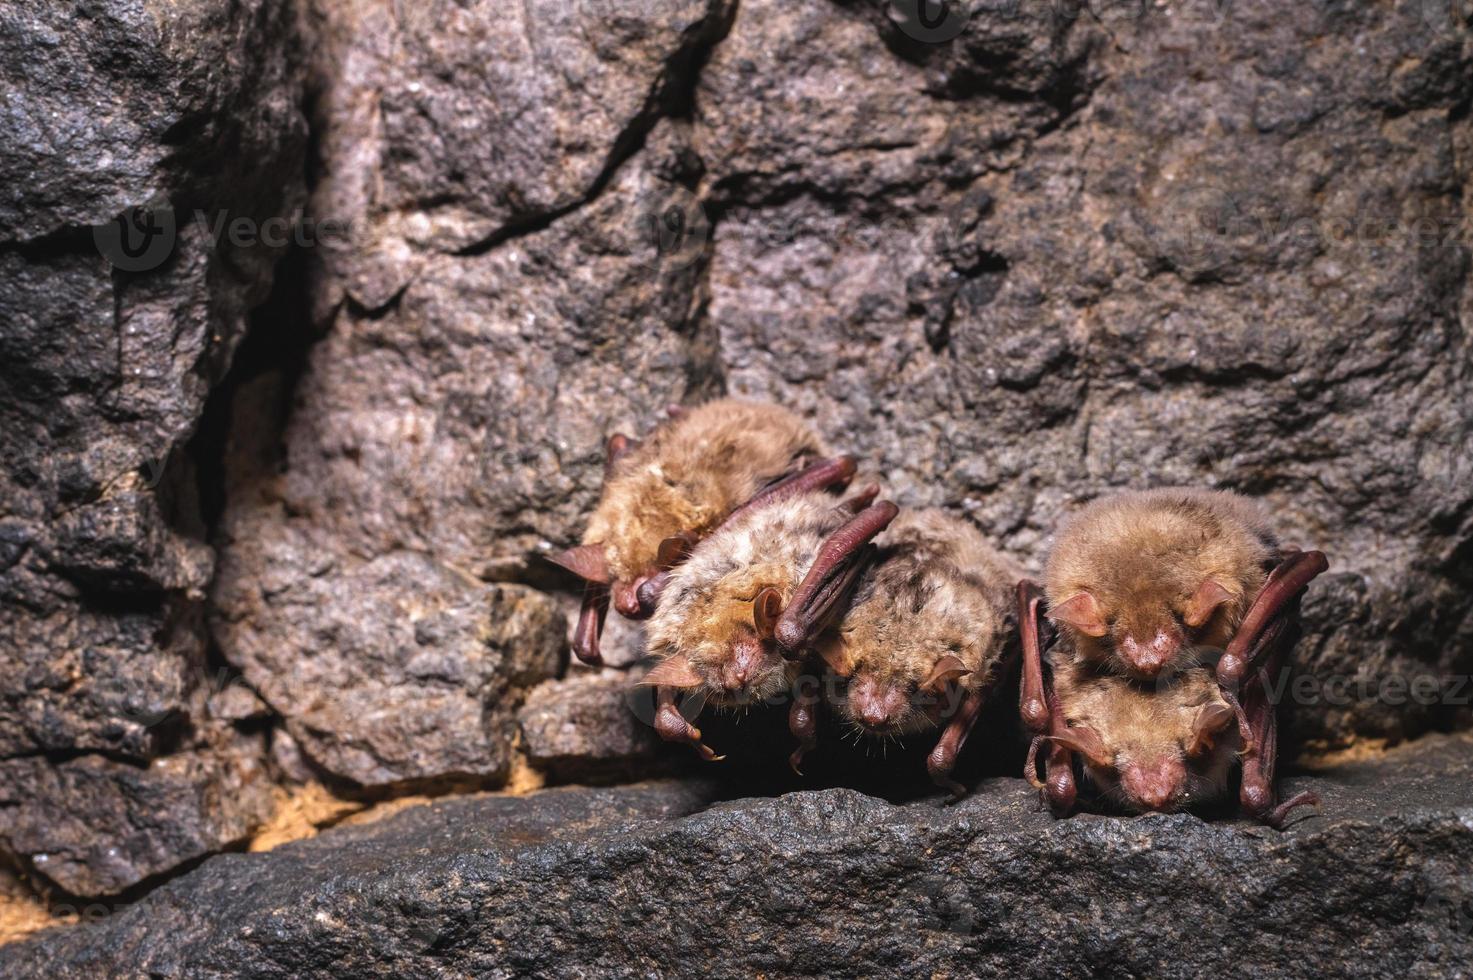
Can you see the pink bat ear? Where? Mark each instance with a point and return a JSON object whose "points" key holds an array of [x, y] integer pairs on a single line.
{"points": [[836, 655], [1085, 741], [618, 446], [766, 608], [947, 669], [674, 550], [673, 671], [1211, 721], [1082, 612], [1204, 603], [586, 561]]}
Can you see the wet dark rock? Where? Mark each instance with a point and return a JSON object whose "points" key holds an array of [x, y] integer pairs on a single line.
{"points": [[660, 878], [189, 112]]}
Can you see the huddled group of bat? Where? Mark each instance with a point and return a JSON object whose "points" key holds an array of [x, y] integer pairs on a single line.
{"points": [[1145, 654]]}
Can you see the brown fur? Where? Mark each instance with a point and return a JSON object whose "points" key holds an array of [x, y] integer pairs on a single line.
{"points": [[1143, 555], [1140, 724], [937, 588], [706, 610], [691, 473]]}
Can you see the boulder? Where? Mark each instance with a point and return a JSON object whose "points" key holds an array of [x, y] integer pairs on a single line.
{"points": [[665, 878]]}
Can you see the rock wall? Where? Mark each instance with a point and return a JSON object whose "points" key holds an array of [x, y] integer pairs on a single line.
{"points": [[175, 119], [1016, 258]]}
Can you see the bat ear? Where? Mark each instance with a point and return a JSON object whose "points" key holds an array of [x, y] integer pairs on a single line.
{"points": [[836, 654], [947, 669], [1082, 612], [586, 561], [1086, 741], [1204, 603], [673, 671], [618, 446], [1211, 721], [674, 550], [766, 608]]}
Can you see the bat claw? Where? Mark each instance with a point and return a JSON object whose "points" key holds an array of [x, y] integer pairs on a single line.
{"points": [[1279, 815]]}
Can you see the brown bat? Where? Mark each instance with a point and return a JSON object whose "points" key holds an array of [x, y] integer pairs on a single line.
{"points": [[1172, 743], [785, 565], [666, 493], [926, 636], [1140, 581]]}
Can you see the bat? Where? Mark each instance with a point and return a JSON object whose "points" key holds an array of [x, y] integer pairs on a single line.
{"points": [[780, 568], [664, 494], [925, 639], [1141, 580], [1175, 742]]}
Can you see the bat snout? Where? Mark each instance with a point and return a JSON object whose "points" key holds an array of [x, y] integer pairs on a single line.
{"points": [[626, 598], [1149, 658], [1155, 784], [875, 705], [744, 665]]}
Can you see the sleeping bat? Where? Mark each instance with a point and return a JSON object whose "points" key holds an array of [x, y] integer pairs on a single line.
{"points": [[1142, 580], [924, 640], [1171, 743], [783, 566], [666, 493]]}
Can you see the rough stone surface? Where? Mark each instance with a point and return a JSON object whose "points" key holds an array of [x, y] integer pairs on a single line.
{"points": [[652, 879], [96, 826], [192, 112], [1186, 279], [590, 727], [1049, 254], [1048, 257], [410, 671]]}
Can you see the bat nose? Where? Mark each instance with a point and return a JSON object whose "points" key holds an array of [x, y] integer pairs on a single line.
{"points": [[1154, 785], [873, 704], [742, 668], [1149, 658], [626, 598]]}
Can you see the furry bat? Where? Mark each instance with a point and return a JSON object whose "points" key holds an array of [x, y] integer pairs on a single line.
{"points": [[924, 640], [1140, 580], [785, 566], [1172, 743], [663, 495]]}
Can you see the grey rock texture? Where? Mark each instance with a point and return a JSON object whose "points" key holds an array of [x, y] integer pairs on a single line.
{"points": [[413, 672], [110, 767], [590, 728], [1050, 256], [1017, 264], [654, 879]]}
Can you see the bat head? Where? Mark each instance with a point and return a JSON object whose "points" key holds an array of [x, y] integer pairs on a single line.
{"points": [[716, 622], [1149, 582], [720, 639], [894, 696], [1150, 748]]}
